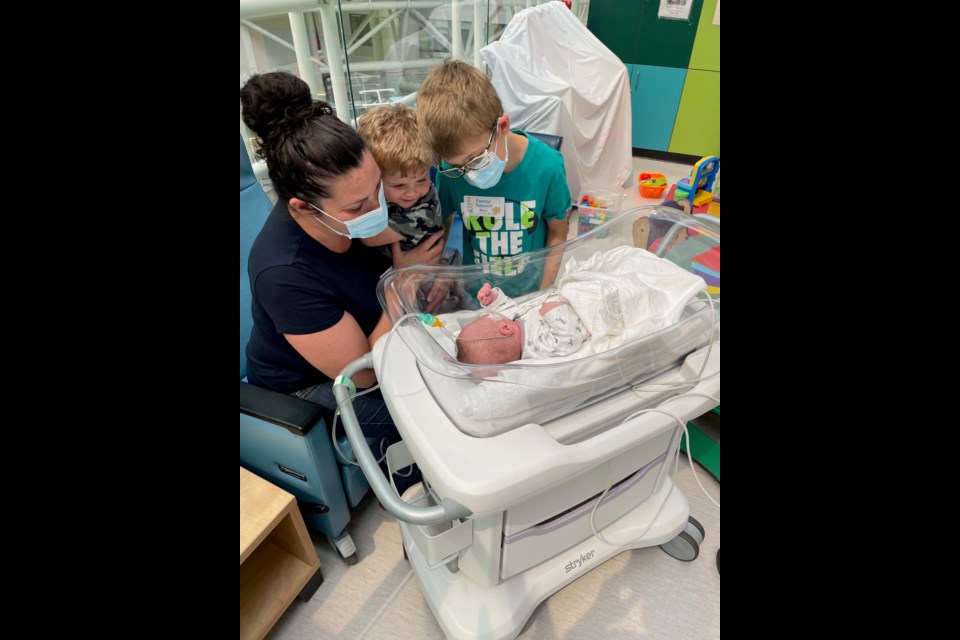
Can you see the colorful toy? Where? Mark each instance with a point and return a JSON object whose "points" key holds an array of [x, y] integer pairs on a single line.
{"points": [[596, 205], [703, 174], [652, 184], [707, 266]]}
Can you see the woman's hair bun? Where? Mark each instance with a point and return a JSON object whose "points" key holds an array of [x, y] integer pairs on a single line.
{"points": [[276, 103]]}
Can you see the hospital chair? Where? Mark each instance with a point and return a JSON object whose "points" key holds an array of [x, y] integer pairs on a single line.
{"points": [[548, 139], [284, 439]]}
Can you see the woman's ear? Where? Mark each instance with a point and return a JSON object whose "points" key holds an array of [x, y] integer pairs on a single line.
{"points": [[504, 123], [301, 207]]}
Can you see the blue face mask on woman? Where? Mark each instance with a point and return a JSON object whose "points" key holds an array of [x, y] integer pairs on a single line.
{"points": [[365, 226], [490, 174]]}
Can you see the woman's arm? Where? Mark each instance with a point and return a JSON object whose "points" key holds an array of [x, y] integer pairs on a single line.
{"points": [[427, 252], [333, 349], [383, 327], [387, 236]]}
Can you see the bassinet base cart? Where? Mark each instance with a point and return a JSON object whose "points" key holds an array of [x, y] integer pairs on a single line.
{"points": [[502, 522]]}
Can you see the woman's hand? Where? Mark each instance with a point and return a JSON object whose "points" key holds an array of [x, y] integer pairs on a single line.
{"points": [[427, 252]]}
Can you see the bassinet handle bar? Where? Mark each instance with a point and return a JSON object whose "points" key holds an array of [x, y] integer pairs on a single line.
{"points": [[446, 511]]}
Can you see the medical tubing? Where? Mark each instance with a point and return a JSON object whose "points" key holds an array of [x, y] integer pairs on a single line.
{"points": [[713, 333], [676, 461], [673, 483], [333, 426], [686, 432], [353, 391], [446, 511], [430, 321], [386, 345], [691, 383]]}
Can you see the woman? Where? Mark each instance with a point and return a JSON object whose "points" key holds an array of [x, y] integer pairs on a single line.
{"points": [[315, 307]]}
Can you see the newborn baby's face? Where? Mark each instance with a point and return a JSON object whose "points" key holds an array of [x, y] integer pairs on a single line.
{"points": [[490, 340]]}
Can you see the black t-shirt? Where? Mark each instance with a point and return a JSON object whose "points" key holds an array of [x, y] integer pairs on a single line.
{"points": [[301, 287]]}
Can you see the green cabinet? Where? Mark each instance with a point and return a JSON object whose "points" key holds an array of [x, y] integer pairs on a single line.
{"points": [[614, 22], [633, 30], [674, 68]]}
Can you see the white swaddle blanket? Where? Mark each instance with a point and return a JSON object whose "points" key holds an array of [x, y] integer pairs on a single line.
{"points": [[621, 295], [626, 293]]}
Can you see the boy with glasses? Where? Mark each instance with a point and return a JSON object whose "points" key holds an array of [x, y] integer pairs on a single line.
{"points": [[509, 188]]}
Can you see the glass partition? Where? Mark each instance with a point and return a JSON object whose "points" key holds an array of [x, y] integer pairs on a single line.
{"points": [[357, 54]]}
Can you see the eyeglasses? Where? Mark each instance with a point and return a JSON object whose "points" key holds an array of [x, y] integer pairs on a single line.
{"points": [[474, 164]]}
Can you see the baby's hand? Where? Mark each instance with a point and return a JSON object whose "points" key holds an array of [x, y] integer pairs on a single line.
{"points": [[486, 295]]}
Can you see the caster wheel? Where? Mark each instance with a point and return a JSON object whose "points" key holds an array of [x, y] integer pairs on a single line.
{"points": [[683, 547], [718, 560], [695, 529], [345, 548], [404, 549]]}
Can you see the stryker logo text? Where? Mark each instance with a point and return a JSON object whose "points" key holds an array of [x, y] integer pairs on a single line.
{"points": [[576, 563]]}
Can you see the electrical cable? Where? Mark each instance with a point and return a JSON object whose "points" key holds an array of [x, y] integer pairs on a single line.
{"points": [[336, 413], [676, 462], [686, 432], [669, 386], [593, 512]]}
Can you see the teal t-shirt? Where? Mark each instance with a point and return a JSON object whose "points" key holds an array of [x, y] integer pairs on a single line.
{"points": [[502, 223]]}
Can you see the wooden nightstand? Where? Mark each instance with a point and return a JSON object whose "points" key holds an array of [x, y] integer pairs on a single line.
{"points": [[277, 558]]}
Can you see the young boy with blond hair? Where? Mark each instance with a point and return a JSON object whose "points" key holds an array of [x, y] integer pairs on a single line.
{"points": [[509, 188], [404, 158]]}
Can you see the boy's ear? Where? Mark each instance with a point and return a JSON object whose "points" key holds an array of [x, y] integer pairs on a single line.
{"points": [[506, 328]]}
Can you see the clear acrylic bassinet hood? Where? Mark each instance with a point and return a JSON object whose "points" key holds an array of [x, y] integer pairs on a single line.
{"points": [[485, 400]]}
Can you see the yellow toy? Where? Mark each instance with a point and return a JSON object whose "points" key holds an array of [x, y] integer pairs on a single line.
{"points": [[703, 174]]}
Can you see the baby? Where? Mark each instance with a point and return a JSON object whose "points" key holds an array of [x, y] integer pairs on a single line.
{"points": [[527, 330]]}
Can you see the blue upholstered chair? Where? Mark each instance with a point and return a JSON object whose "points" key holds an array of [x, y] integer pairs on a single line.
{"points": [[282, 438], [548, 139]]}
